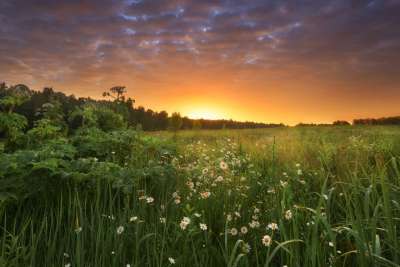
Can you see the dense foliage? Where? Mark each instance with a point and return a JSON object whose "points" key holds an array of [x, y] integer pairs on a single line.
{"points": [[380, 121], [140, 117], [85, 189]]}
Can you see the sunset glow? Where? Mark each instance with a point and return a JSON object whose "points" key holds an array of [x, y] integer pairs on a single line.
{"points": [[271, 61], [199, 133], [204, 114]]}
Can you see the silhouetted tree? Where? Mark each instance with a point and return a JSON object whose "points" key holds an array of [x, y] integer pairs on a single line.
{"points": [[175, 122], [380, 121], [117, 93], [81, 112], [196, 125], [341, 123]]}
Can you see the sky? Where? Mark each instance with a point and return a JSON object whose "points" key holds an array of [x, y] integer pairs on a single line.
{"points": [[260, 60]]}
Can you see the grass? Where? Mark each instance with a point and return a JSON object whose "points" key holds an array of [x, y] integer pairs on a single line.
{"points": [[326, 196]]}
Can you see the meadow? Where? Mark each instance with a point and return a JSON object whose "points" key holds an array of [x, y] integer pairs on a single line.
{"points": [[289, 196]]}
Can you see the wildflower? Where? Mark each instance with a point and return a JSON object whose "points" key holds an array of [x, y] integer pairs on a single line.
{"points": [[67, 265], [186, 220], [267, 240], [128, 265], [203, 226], [256, 210], [283, 183], [288, 215], [219, 179], [78, 230], [298, 165], [223, 165], [163, 220], [190, 185], [149, 200], [273, 226], [171, 260], [177, 201], [243, 230], [66, 255], [237, 214], [205, 171], [184, 223], [133, 218], [120, 229], [254, 224], [331, 244], [198, 215], [205, 195], [234, 231], [299, 172], [229, 217]]}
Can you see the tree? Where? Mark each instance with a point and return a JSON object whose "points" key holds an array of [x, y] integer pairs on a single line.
{"points": [[53, 113], [341, 123], [13, 97], [74, 112], [12, 124], [117, 93], [175, 122], [43, 131], [196, 125], [108, 120]]}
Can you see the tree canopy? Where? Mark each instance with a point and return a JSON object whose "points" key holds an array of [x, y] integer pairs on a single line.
{"points": [[115, 111]]}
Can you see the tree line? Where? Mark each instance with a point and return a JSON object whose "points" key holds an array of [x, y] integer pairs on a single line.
{"points": [[73, 111], [379, 121], [395, 120]]}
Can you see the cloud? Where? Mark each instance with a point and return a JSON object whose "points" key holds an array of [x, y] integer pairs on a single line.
{"points": [[47, 41]]}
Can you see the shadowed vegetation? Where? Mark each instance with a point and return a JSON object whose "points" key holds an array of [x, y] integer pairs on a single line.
{"points": [[102, 193]]}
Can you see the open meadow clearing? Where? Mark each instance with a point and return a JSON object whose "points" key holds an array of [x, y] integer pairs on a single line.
{"points": [[302, 196], [199, 133]]}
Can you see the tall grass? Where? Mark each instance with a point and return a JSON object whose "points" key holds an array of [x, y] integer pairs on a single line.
{"points": [[333, 193]]}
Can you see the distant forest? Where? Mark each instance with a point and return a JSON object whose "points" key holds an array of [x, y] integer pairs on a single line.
{"points": [[395, 120], [116, 110], [74, 109]]}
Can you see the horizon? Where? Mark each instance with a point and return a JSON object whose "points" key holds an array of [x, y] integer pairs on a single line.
{"points": [[198, 116], [261, 61]]}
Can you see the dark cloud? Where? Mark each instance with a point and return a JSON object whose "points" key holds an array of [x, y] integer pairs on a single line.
{"points": [[92, 40]]}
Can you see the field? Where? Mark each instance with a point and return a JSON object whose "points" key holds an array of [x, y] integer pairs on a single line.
{"points": [[302, 196]]}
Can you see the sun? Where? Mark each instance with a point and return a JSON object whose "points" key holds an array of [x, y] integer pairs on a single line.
{"points": [[204, 113]]}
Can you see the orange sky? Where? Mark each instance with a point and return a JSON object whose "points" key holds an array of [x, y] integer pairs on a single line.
{"points": [[267, 61]]}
